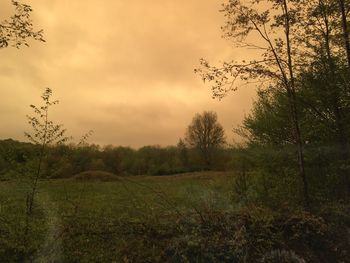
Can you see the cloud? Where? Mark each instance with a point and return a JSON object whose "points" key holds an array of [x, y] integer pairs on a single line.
{"points": [[121, 68]]}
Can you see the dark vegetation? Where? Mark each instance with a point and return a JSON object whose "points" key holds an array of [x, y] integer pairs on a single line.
{"points": [[282, 196], [64, 161]]}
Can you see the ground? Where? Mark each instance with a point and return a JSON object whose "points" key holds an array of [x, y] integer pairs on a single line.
{"points": [[195, 217], [88, 206]]}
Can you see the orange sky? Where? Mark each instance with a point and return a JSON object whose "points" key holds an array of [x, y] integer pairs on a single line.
{"points": [[122, 68]]}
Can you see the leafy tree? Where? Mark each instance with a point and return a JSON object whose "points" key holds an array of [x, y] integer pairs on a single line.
{"points": [[206, 134], [324, 80], [183, 154], [83, 156], [268, 124], [19, 28], [276, 29], [344, 10]]}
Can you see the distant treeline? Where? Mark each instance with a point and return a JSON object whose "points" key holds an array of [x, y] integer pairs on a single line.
{"points": [[62, 161]]}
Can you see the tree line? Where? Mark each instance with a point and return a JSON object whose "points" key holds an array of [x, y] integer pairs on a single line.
{"points": [[298, 131], [202, 148], [63, 161]]}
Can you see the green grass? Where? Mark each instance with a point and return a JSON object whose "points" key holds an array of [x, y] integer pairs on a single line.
{"points": [[127, 195], [68, 210], [193, 217]]}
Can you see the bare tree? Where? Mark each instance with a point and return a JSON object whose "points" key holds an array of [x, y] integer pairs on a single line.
{"points": [[206, 134]]}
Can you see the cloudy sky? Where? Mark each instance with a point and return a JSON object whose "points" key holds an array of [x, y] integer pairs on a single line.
{"points": [[122, 68]]}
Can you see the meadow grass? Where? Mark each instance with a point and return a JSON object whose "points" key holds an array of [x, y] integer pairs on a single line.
{"points": [[70, 213], [195, 217], [126, 195]]}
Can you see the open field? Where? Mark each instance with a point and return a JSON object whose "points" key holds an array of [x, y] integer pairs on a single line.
{"points": [[71, 213], [126, 196], [193, 217]]}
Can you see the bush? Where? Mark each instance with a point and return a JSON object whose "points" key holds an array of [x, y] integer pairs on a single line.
{"points": [[254, 235]]}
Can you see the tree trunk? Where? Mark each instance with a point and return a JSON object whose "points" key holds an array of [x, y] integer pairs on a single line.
{"points": [[344, 147], [291, 90], [300, 148], [345, 30], [342, 141]]}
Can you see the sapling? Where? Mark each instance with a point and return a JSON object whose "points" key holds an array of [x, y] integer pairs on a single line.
{"points": [[44, 133]]}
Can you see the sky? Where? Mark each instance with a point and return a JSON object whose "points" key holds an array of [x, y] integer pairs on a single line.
{"points": [[122, 68]]}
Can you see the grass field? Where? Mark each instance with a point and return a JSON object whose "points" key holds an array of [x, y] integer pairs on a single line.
{"points": [[126, 196], [196, 217], [71, 214]]}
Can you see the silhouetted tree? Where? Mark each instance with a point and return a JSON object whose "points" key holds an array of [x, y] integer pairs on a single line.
{"points": [[344, 10], [325, 56], [16, 30], [273, 22], [183, 154], [206, 134]]}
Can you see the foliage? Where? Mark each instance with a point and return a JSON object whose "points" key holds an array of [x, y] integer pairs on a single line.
{"points": [[166, 219], [62, 161], [205, 134], [235, 237], [19, 28], [45, 132]]}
